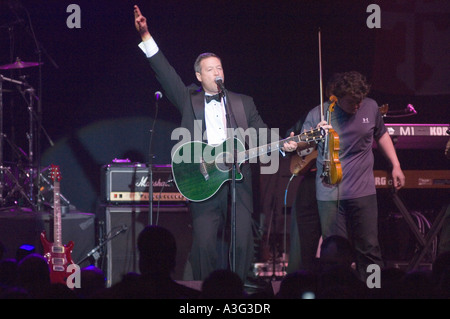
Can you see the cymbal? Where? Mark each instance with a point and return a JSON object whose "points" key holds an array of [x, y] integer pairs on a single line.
{"points": [[19, 65]]}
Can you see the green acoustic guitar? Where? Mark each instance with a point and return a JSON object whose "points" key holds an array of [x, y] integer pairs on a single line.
{"points": [[199, 169]]}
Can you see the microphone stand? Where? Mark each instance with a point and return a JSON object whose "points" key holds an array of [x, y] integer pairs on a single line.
{"points": [[95, 251], [39, 51], [158, 95], [234, 169]]}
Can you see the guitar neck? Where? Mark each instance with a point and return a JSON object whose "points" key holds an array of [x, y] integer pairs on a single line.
{"points": [[309, 136], [57, 234]]}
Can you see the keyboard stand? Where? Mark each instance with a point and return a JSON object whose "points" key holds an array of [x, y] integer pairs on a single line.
{"points": [[424, 241]]}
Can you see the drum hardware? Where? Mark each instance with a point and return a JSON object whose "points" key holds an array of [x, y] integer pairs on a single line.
{"points": [[34, 140], [28, 190], [2, 138], [14, 179], [14, 188], [19, 65]]}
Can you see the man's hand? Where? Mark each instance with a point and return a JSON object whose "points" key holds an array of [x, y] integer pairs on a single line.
{"points": [[398, 178], [141, 24], [324, 125], [290, 146]]}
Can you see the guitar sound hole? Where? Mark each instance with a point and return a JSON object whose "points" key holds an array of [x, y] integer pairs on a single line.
{"points": [[224, 162]]}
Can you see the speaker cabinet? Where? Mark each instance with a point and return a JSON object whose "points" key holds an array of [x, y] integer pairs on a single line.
{"points": [[24, 227], [128, 222]]}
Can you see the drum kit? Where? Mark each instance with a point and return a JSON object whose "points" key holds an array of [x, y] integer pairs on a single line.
{"points": [[19, 182]]}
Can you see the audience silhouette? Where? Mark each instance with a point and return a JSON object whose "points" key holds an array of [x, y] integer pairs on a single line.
{"points": [[301, 284], [336, 276], [333, 278], [157, 260], [222, 284], [34, 275], [92, 281], [8, 272]]}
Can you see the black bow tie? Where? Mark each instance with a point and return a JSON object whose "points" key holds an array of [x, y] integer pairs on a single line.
{"points": [[209, 98]]}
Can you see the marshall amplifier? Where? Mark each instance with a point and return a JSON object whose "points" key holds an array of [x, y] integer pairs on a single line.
{"points": [[129, 183]]}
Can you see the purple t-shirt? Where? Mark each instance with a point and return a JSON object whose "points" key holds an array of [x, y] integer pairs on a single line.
{"points": [[356, 135]]}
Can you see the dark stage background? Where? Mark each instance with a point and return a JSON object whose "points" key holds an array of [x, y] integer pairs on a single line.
{"points": [[97, 89]]}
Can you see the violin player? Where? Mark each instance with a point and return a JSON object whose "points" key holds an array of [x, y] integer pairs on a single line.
{"points": [[349, 208]]}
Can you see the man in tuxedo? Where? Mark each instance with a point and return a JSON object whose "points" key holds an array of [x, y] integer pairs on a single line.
{"points": [[205, 118]]}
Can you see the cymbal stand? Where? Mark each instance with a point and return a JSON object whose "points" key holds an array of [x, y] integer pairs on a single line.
{"points": [[33, 117], [4, 170], [30, 134], [17, 187], [39, 50], [2, 178], [30, 137]]}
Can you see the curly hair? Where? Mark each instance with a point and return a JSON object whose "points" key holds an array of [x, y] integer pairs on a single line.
{"points": [[349, 83]]}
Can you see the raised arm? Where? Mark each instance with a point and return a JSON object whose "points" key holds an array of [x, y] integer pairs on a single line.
{"points": [[141, 24]]}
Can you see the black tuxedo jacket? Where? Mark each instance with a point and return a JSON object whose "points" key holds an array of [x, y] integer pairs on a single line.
{"points": [[190, 101]]}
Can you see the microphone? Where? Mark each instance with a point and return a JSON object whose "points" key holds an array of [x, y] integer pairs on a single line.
{"points": [[411, 109], [158, 95], [122, 229], [219, 82]]}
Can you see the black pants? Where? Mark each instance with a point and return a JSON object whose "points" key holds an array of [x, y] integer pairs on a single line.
{"points": [[357, 220], [208, 218]]}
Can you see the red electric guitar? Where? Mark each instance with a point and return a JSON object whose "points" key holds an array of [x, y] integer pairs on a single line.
{"points": [[58, 255]]}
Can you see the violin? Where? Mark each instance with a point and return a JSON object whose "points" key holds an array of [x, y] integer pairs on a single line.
{"points": [[332, 170]]}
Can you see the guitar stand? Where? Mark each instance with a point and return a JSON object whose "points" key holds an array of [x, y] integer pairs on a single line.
{"points": [[424, 241]]}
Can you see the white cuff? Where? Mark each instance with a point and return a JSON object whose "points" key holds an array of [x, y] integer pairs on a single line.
{"points": [[149, 47]]}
